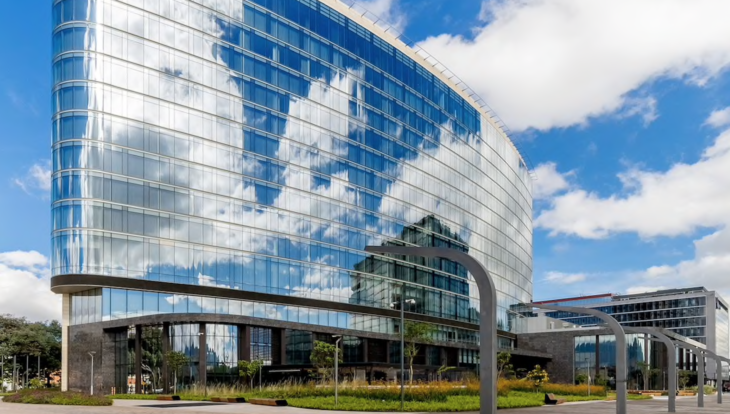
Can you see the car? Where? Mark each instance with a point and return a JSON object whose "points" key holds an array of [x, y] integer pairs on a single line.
{"points": [[726, 387]]}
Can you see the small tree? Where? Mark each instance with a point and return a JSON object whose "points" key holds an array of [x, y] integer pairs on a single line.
{"points": [[175, 361], [444, 368], [323, 358], [581, 379], [684, 378], [249, 369], [537, 377], [503, 365], [415, 333], [645, 370]]}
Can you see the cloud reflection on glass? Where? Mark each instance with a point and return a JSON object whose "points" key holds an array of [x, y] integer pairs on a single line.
{"points": [[223, 145]]}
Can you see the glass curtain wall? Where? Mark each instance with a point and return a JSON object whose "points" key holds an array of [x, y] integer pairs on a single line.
{"points": [[222, 353], [261, 345], [152, 356], [124, 357], [597, 353], [185, 338], [261, 145]]}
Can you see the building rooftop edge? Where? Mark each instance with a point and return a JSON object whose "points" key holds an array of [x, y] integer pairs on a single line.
{"points": [[418, 56], [663, 292], [615, 296], [597, 296]]}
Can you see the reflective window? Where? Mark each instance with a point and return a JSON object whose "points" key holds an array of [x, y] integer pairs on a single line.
{"points": [[260, 146]]}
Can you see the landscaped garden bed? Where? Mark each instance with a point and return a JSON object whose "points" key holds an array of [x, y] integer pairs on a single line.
{"points": [[56, 397], [419, 397]]}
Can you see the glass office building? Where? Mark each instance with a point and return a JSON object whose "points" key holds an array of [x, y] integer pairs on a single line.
{"points": [[220, 165], [695, 313]]}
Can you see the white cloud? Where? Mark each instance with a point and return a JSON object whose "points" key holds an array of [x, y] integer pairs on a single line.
{"points": [[645, 107], [386, 10], [549, 181], [25, 288], [679, 201], [23, 260], [643, 289], [37, 178], [719, 118], [564, 278], [544, 64], [708, 268]]}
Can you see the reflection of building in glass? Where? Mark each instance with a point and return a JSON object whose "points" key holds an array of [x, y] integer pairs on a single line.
{"points": [[695, 313], [220, 166]]}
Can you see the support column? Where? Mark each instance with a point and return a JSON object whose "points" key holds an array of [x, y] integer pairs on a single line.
{"points": [[282, 346], [364, 349], [680, 351], [65, 322], [138, 359], [165, 349], [387, 351], [202, 356], [244, 343]]}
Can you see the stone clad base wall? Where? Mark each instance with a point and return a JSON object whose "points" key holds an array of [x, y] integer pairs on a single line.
{"points": [[83, 339], [561, 344]]}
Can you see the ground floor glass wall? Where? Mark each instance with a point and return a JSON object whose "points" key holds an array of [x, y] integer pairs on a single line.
{"points": [[595, 359], [214, 350]]}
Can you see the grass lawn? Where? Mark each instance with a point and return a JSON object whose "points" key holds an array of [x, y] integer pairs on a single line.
{"points": [[515, 399], [454, 403], [630, 397]]}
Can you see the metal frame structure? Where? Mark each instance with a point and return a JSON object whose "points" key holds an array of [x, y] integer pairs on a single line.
{"points": [[700, 369], [618, 330], [671, 362], [487, 315]]}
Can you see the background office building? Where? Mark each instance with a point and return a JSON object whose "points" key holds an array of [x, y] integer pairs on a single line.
{"points": [[697, 315], [219, 167]]}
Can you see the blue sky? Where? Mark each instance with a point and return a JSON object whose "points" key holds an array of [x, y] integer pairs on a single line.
{"points": [[619, 105]]}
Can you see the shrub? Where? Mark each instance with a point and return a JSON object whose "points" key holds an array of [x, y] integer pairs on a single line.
{"points": [[57, 398], [503, 388], [709, 389]]}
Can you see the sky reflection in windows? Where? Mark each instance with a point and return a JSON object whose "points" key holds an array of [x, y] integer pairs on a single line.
{"points": [[224, 145]]}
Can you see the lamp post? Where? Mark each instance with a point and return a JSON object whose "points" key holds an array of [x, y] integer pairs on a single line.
{"points": [[588, 374], [91, 389], [402, 304], [337, 360], [202, 367]]}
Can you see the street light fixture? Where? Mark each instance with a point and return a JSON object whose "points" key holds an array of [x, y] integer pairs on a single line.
{"points": [[202, 368], [588, 373], [337, 360], [91, 354], [402, 303]]}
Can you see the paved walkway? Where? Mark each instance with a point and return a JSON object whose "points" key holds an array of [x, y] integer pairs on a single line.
{"points": [[656, 406]]}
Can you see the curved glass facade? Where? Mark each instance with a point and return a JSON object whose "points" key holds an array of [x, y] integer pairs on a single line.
{"points": [[260, 146]]}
